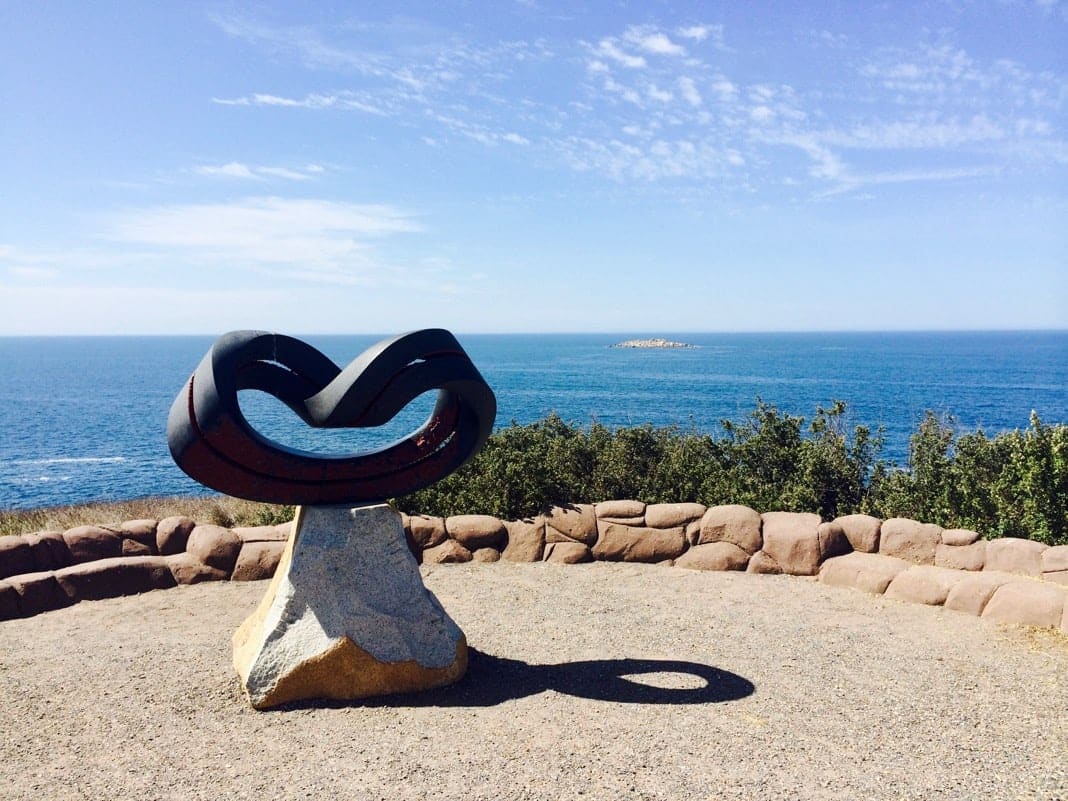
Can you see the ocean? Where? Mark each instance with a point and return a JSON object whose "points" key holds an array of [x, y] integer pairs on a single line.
{"points": [[82, 419]]}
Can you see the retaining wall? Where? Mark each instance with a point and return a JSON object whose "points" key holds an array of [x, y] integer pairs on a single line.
{"points": [[1005, 580]]}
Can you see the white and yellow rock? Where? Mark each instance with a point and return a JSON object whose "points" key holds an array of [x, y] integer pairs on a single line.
{"points": [[346, 616]]}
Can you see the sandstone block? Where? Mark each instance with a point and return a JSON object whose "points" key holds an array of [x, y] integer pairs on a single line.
{"points": [[638, 521], [111, 578], [346, 616], [714, 556], [869, 572], [1027, 603], [38, 592], [257, 560], [1057, 577], [16, 557], [142, 531], [9, 602], [135, 548], [577, 522], [486, 555], [172, 533], [552, 535], [449, 552], [187, 569], [959, 536], [215, 546], [923, 584], [760, 562], [1064, 620], [620, 509], [862, 531], [833, 540], [476, 531], [909, 540], [88, 543], [792, 540], [693, 531], [732, 523], [669, 515], [276, 533], [1055, 559], [428, 531], [526, 541], [1012, 555], [618, 542], [567, 553], [961, 557], [50, 551], [972, 593]]}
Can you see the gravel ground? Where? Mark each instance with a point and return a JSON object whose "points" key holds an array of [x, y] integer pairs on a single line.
{"points": [[595, 682]]}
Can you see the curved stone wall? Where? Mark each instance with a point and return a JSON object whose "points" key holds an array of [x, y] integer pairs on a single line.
{"points": [[1004, 580]]}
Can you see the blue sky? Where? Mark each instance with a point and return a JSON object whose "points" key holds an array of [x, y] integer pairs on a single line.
{"points": [[532, 167]]}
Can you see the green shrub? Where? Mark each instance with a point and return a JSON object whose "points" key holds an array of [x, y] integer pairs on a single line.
{"points": [[1012, 484]]}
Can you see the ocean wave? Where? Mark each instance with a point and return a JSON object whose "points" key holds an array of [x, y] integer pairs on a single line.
{"points": [[74, 460]]}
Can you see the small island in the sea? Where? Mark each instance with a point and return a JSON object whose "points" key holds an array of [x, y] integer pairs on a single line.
{"points": [[652, 343]]}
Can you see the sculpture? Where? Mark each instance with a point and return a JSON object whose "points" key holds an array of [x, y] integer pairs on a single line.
{"points": [[346, 615]]}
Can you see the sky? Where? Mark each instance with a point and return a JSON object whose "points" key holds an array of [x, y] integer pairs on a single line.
{"points": [[179, 168]]}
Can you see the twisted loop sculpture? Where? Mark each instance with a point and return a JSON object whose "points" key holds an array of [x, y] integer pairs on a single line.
{"points": [[211, 440]]}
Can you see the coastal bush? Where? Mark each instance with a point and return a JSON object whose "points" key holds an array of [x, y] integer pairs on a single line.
{"points": [[1012, 484]]}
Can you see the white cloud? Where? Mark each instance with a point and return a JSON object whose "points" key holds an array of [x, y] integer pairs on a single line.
{"points": [[653, 41], [850, 183], [609, 49], [236, 169], [283, 172], [315, 101], [658, 94], [698, 32], [761, 114], [689, 91], [630, 95], [231, 170], [726, 90], [659, 159], [266, 231], [924, 133], [637, 83]]}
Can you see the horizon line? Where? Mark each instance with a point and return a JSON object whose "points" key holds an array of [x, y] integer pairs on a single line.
{"points": [[645, 333]]}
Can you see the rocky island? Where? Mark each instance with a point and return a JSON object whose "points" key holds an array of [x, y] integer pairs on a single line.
{"points": [[652, 343]]}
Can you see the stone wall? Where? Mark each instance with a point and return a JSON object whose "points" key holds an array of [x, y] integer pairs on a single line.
{"points": [[1005, 580]]}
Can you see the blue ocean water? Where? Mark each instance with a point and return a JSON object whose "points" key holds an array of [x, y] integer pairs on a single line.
{"points": [[82, 419]]}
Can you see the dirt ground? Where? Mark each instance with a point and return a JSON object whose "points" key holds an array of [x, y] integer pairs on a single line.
{"points": [[598, 681]]}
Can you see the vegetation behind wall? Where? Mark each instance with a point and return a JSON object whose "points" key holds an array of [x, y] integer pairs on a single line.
{"points": [[1012, 484]]}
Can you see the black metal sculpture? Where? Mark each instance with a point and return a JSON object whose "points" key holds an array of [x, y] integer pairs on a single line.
{"points": [[211, 440]]}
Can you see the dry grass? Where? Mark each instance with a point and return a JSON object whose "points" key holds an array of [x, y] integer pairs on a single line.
{"points": [[220, 510]]}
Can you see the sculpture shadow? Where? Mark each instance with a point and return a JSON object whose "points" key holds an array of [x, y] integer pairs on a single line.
{"points": [[492, 680]]}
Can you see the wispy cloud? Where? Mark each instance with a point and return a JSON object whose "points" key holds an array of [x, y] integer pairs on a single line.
{"points": [[337, 100], [699, 32], [236, 169], [298, 237], [651, 40], [652, 103], [850, 183], [610, 49]]}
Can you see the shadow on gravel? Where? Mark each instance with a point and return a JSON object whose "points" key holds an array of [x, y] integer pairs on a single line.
{"points": [[492, 680]]}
